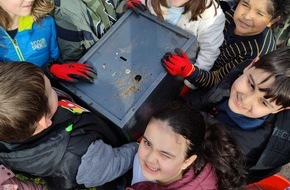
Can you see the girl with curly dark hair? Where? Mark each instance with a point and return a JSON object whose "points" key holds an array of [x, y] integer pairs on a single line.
{"points": [[179, 151]]}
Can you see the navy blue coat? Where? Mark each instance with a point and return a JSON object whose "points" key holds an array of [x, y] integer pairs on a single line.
{"points": [[265, 149]]}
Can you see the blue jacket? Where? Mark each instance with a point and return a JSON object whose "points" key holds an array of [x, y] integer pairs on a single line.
{"points": [[34, 42]]}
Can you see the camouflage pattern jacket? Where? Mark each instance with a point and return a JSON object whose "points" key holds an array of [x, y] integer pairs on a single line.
{"points": [[81, 23]]}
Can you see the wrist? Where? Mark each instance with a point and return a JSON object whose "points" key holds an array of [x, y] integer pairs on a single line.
{"points": [[191, 71]]}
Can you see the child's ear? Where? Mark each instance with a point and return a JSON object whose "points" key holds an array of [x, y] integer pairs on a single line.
{"points": [[41, 125], [251, 64], [188, 162], [273, 21]]}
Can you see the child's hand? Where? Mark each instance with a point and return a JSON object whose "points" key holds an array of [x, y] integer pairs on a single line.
{"points": [[73, 72], [178, 64], [135, 5]]}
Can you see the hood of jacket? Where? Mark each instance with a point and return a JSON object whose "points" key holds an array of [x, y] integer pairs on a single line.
{"points": [[206, 179]]}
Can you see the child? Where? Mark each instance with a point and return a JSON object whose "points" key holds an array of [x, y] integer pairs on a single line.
{"points": [[255, 107], [81, 23], [248, 34], [179, 152], [203, 18], [8, 181], [54, 139], [27, 33]]}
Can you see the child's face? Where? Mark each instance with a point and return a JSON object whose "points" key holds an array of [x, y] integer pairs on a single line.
{"points": [[178, 3], [162, 153], [17, 7], [251, 17], [45, 121], [246, 97]]}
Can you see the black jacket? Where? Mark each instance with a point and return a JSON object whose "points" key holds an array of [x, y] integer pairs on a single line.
{"points": [[266, 148], [55, 154]]}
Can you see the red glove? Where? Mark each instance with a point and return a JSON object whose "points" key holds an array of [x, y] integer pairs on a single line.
{"points": [[178, 64], [135, 5], [73, 72]]}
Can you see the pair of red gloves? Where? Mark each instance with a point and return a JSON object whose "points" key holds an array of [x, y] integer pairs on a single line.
{"points": [[72, 72]]}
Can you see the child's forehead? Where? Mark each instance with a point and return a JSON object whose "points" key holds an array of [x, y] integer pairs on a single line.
{"points": [[262, 5], [260, 78], [257, 73]]}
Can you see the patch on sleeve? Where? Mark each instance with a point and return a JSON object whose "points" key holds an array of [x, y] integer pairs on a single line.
{"points": [[71, 106]]}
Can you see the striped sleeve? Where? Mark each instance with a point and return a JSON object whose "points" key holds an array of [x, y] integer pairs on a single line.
{"points": [[235, 50]]}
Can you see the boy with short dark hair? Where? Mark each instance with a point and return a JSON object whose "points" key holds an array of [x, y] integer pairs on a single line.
{"points": [[44, 137], [253, 101]]}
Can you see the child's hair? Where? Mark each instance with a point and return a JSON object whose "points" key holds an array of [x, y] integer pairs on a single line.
{"points": [[40, 9], [23, 100], [196, 7], [277, 63], [211, 144]]}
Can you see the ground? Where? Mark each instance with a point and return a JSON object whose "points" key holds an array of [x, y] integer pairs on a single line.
{"points": [[285, 172]]}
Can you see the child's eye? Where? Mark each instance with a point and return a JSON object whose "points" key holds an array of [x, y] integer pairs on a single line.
{"points": [[260, 14], [245, 5], [252, 86], [146, 143], [265, 103], [166, 156]]}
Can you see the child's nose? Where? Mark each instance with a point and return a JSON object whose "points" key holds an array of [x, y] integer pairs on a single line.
{"points": [[248, 100], [151, 157], [248, 15]]}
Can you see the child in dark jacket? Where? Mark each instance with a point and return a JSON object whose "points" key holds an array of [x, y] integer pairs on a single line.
{"points": [[248, 34], [253, 101], [179, 152], [55, 139]]}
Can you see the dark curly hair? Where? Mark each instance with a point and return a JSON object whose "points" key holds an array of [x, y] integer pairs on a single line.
{"points": [[212, 144]]}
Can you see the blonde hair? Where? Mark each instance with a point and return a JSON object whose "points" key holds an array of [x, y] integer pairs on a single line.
{"points": [[39, 10]]}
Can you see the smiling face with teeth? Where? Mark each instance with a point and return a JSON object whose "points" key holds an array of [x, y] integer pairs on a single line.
{"points": [[162, 153], [247, 98], [17, 7], [251, 17]]}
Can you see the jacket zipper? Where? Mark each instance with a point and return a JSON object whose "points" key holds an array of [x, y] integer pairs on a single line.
{"points": [[16, 47]]}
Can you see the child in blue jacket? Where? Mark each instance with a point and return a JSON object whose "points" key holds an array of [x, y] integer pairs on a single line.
{"points": [[28, 33]]}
